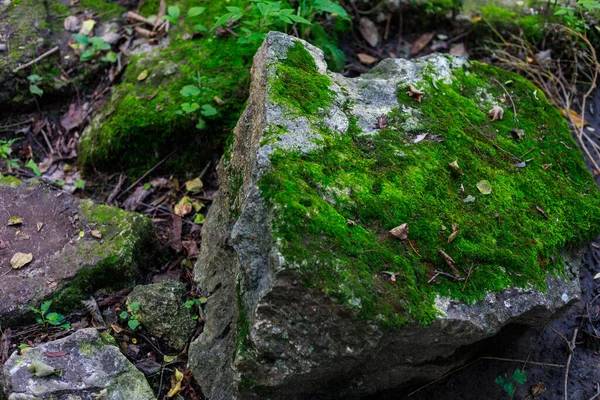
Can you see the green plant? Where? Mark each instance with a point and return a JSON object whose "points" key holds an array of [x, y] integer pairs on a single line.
{"points": [[90, 47], [46, 318], [173, 13], [131, 318], [79, 184], [34, 79], [575, 15], [509, 385], [192, 94], [6, 147], [33, 166], [196, 303]]}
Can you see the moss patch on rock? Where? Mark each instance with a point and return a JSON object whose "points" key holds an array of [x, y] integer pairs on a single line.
{"points": [[144, 122], [335, 206]]}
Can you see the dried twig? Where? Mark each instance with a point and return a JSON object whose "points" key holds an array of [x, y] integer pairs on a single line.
{"points": [[451, 263], [35, 60], [569, 363], [137, 17], [158, 164]]}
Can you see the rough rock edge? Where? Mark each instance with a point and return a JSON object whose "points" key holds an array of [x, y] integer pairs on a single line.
{"points": [[240, 306]]}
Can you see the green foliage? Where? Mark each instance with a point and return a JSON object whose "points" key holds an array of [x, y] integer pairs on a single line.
{"points": [[131, 317], [509, 385], [90, 47], [197, 304], [192, 93], [574, 15], [33, 87], [79, 184], [46, 318], [6, 147], [33, 167]]}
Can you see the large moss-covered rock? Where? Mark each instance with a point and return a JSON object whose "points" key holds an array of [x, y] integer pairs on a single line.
{"points": [[311, 293], [29, 28], [144, 120], [89, 366], [162, 311], [77, 247]]}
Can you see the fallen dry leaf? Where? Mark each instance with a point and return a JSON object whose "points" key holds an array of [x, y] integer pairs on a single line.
{"points": [[184, 207], [39, 226], [175, 383], [14, 220], [218, 100], [366, 59], [455, 167], [538, 389], [143, 75], [400, 232], [451, 263], [546, 166], [459, 50], [19, 260], [484, 187], [96, 233], [420, 137], [421, 42], [413, 91], [72, 118], [368, 30], [455, 231], [194, 186], [577, 120], [496, 113]]}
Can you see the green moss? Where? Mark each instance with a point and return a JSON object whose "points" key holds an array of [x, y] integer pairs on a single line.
{"points": [[105, 9], [385, 180], [10, 181], [116, 263], [298, 83], [143, 121]]}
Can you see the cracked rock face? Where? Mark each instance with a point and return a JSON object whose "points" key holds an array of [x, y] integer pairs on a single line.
{"points": [[92, 368], [309, 293]]}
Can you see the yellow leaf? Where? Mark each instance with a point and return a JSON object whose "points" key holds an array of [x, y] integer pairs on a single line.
{"points": [[143, 75], [577, 120], [529, 59], [14, 220], [475, 19], [19, 260], [366, 59], [87, 27], [194, 186], [175, 383], [169, 359], [81, 234], [184, 207], [116, 328]]}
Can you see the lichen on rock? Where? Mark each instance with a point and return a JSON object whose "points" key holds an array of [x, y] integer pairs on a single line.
{"points": [[306, 280]]}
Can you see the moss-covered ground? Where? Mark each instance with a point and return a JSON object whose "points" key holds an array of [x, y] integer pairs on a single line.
{"points": [[145, 122], [513, 236]]}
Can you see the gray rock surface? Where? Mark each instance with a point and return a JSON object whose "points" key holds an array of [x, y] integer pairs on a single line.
{"points": [[270, 334], [66, 267], [163, 313], [92, 368]]}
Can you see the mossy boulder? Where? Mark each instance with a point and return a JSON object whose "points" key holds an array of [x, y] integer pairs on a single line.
{"points": [[144, 120], [29, 28], [77, 247], [89, 365], [162, 311], [312, 293]]}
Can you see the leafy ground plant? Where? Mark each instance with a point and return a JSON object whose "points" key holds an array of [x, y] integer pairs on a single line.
{"points": [[47, 318], [509, 385], [131, 318], [196, 303]]}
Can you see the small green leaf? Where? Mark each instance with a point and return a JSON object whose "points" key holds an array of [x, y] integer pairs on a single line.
{"points": [[133, 323], [45, 306], [33, 166], [59, 182], [134, 306], [34, 78], [509, 388], [203, 300], [201, 124], [87, 55], [174, 12], [147, 186], [200, 28], [35, 89], [51, 317], [66, 326], [190, 91], [519, 376], [83, 39], [110, 57], [195, 11], [189, 304], [189, 107], [124, 315], [170, 19], [199, 219], [79, 184], [208, 110], [99, 44]]}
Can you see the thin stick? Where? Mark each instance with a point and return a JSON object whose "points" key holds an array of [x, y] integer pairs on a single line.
{"points": [[35, 60], [139, 18], [117, 189], [162, 9], [569, 363], [541, 364], [147, 173], [467, 280], [562, 337], [3, 127], [509, 98]]}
